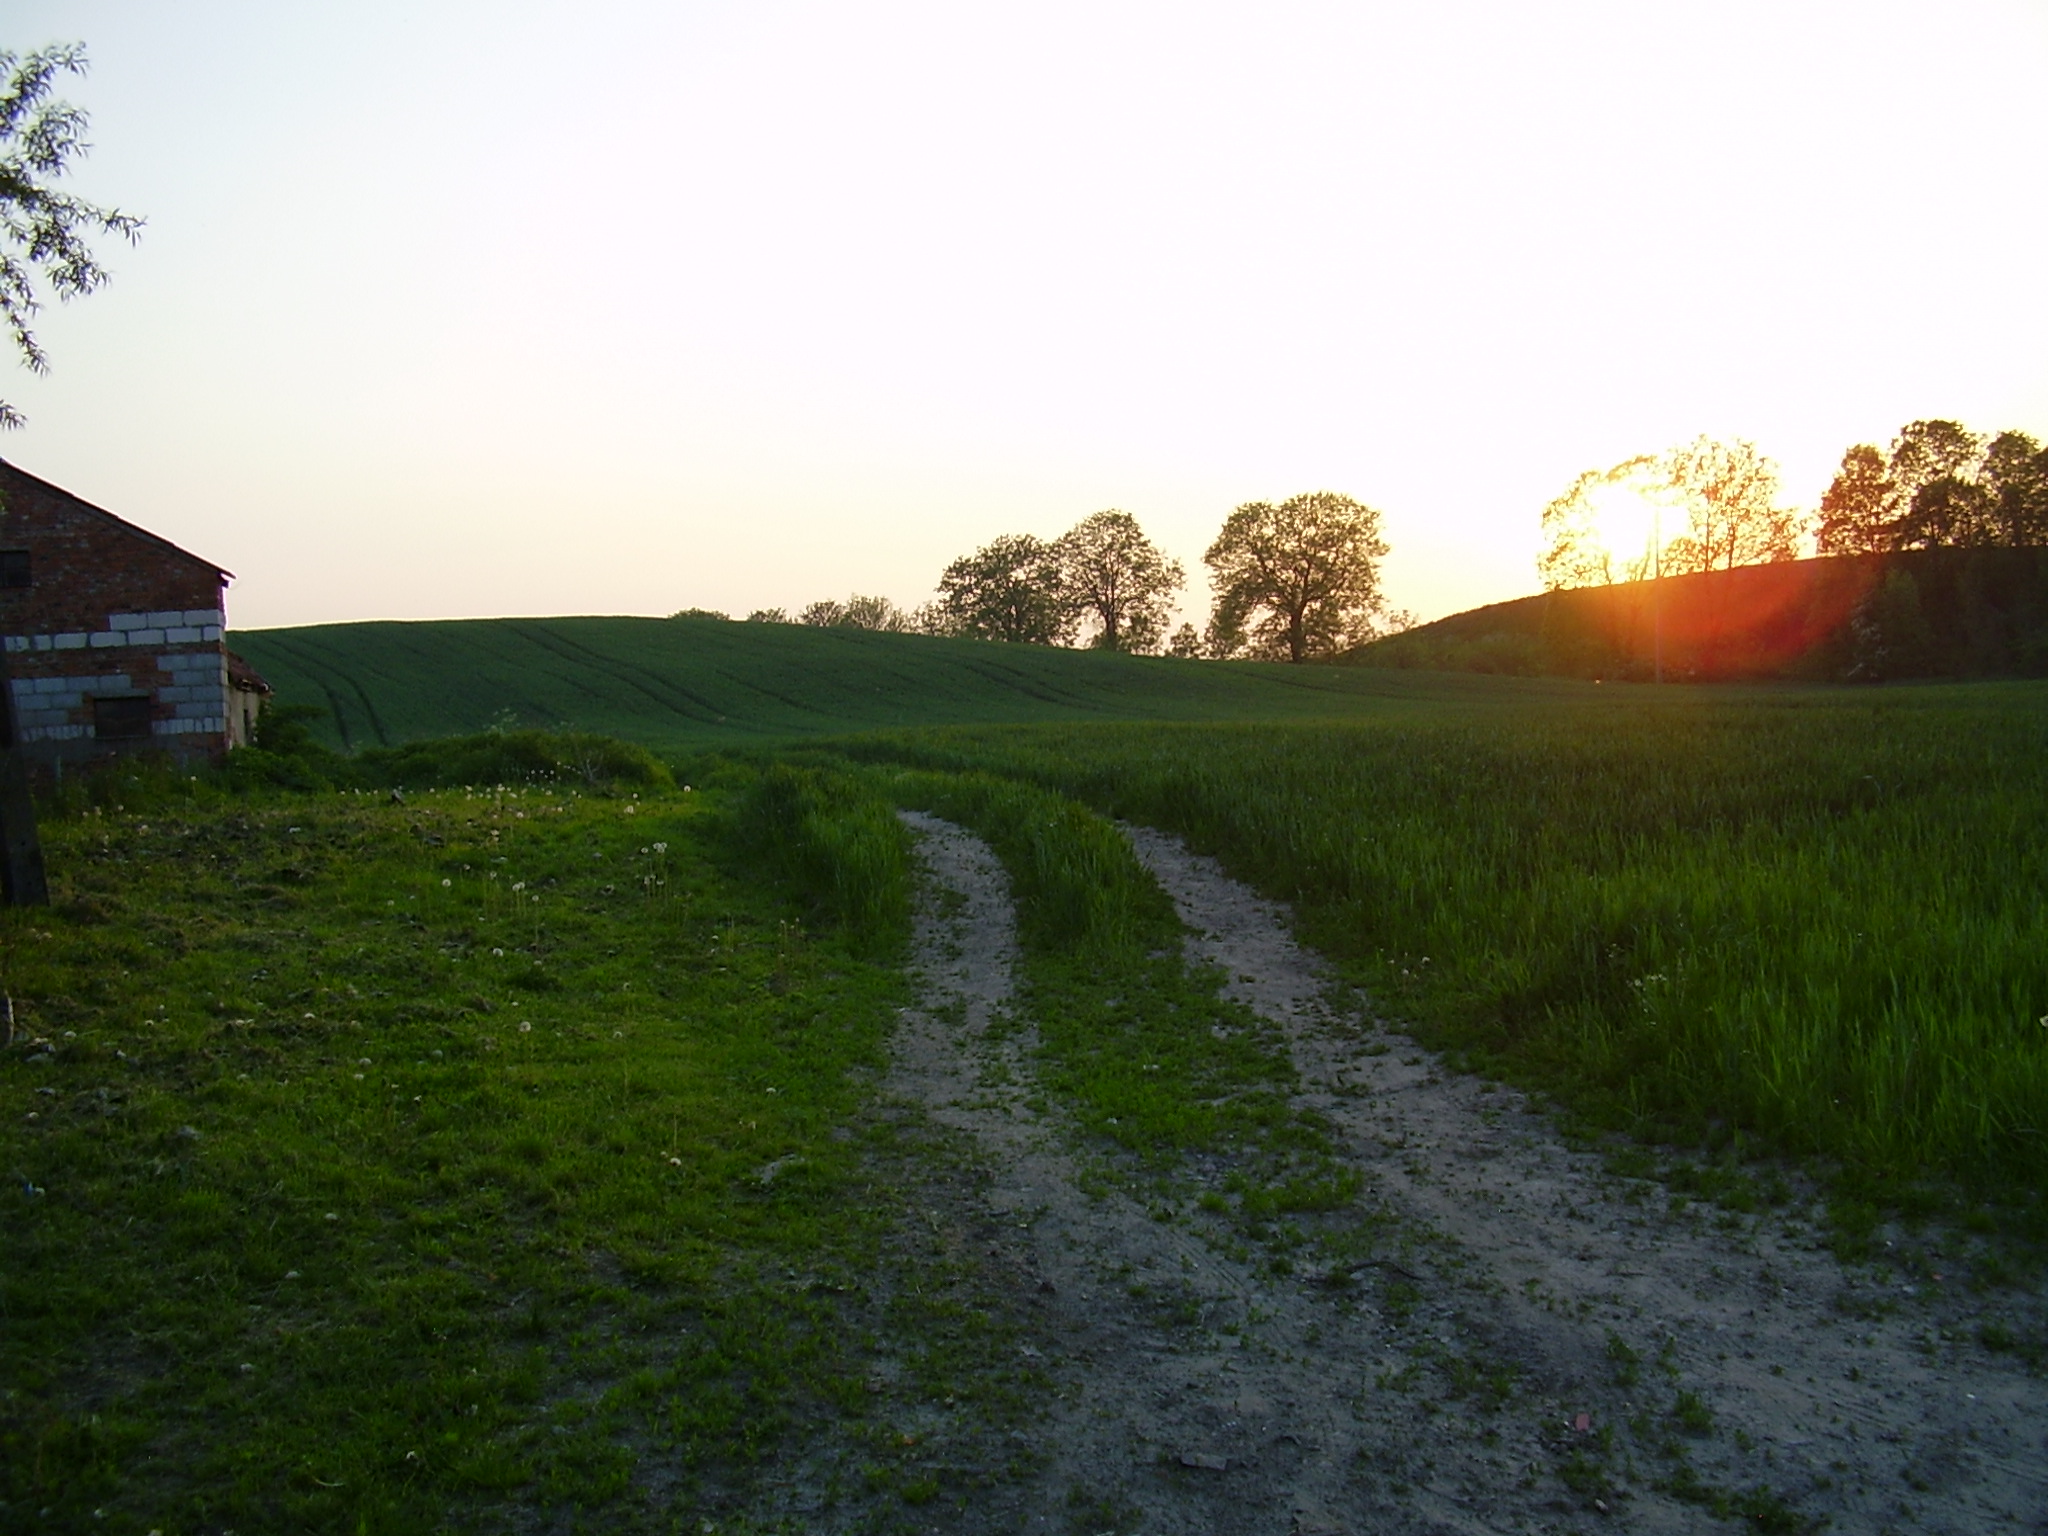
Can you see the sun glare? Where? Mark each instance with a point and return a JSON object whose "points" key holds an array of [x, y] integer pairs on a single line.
{"points": [[1628, 520]]}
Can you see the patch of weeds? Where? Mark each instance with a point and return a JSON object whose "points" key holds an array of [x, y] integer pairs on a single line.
{"points": [[1762, 1508], [1667, 1356], [1865, 1307], [1585, 1474], [1691, 1414], [1400, 1299], [1627, 1360], [1092, 1512], [1490, 1386]]}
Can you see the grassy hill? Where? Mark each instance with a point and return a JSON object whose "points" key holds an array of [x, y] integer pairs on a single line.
{"points": [[1956, 613], [693, 683]]}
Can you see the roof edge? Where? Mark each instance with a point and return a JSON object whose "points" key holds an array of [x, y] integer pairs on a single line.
{"points": [[120, 522]]}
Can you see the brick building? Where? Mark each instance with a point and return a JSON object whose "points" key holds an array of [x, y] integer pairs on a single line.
{"points": [[113, 635]]}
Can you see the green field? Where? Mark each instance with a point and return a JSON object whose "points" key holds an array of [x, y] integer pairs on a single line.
{"points": [[1797, 923], [1802, 919], [679, 684], [508, 1157]]}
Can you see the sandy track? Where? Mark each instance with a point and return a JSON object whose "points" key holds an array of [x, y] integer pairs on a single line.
{"points": [[1330, 1409]]}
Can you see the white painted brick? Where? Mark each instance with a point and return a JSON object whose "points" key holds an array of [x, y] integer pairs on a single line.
{"points": [[17, 642], [167, 618], [209, 632], [71, 642], [150, 636], [173, 637], [204, 616], [106, 638], [127, 621], [200, 709], [42, 642], [54, 733]]}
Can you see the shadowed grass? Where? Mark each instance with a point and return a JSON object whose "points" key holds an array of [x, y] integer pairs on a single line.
{"points": [[460, 1164]]}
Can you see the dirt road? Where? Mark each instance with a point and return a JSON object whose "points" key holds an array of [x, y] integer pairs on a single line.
{"points": [[1553, 1349]]}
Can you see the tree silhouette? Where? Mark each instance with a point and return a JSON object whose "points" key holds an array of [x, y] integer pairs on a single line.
{"points": [[1296, 580], [1116, 577], [1009, 589]]}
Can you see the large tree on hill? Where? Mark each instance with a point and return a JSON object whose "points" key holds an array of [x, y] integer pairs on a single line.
{"points": [[1117, 578], [1575, 546], [1296, 580], [1940, 485], [1729, 492], [857, 612], [1927, 451], [1009, 589], [1856, 510], [2015, 472], [1708, 505]]}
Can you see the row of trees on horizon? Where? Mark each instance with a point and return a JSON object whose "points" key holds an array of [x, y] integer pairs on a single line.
{"points": [[1293, 581], [1298, 580], [1939, 485]]}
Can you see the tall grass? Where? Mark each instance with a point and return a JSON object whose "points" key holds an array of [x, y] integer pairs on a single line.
{"points": [[1079, 885], [1816, 926], [829, 832]]}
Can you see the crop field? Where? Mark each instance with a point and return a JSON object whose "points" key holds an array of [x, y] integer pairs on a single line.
{"points": [[688, 684], [473, 1145], [1795, 922]]}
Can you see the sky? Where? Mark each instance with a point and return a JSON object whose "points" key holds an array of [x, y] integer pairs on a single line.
{"points": [[463, 309]]}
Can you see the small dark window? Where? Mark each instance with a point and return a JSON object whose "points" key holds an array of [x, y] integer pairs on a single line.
{"points": [[14, 570], [123, 719]]}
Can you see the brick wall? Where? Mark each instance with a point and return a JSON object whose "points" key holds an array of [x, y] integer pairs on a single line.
{"points": [[111, 612]]}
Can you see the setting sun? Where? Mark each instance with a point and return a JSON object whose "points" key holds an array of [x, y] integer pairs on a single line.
{"points": [[1629, 518]]}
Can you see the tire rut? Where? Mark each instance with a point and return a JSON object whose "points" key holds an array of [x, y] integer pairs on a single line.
{"points": [[1201, 1390], [1873, 1422]]}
